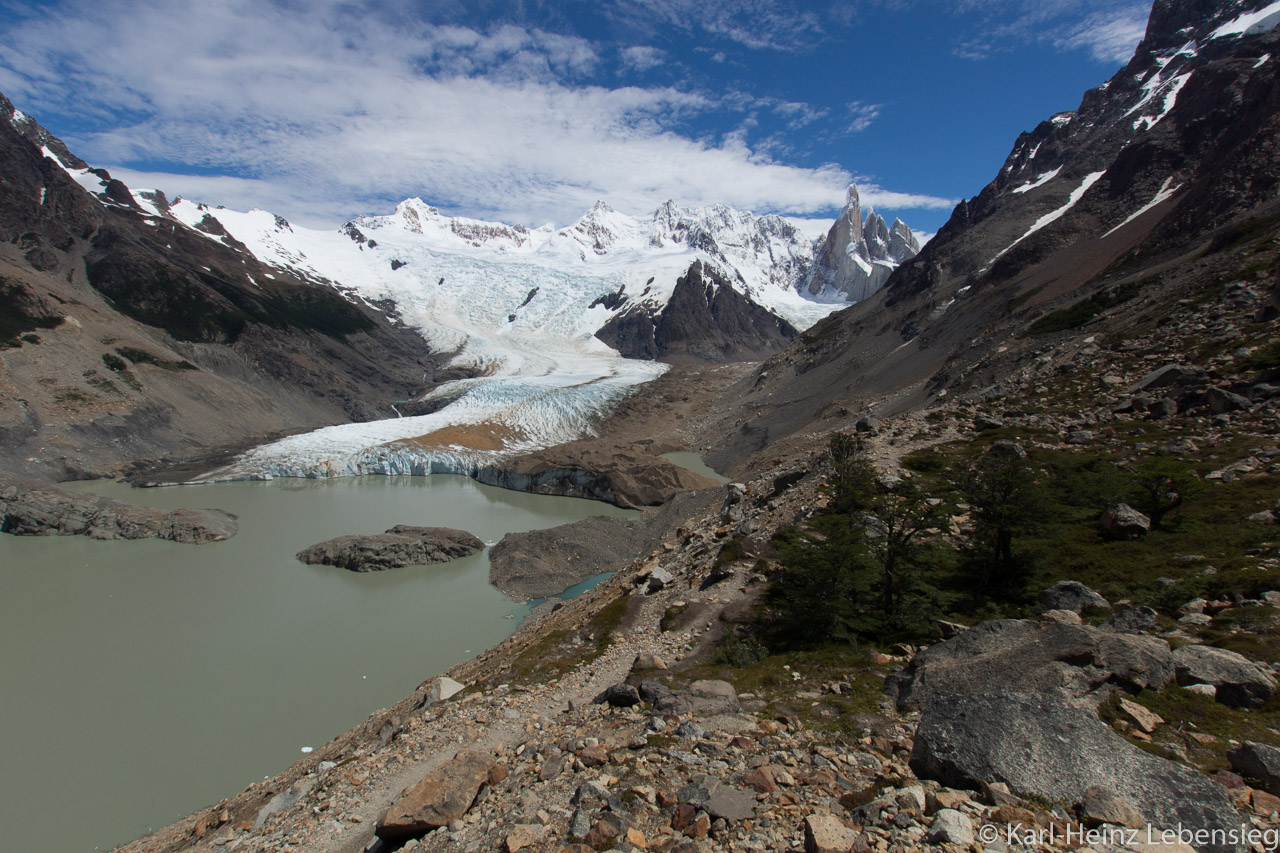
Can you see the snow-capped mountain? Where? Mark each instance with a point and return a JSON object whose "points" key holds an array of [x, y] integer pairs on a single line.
{"points": [[543, 328], [859, 254]]}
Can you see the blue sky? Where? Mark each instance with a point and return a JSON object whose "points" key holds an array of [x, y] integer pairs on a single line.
{"points": [[529, 111]]}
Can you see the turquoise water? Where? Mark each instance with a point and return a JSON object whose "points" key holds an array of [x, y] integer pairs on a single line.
{"points": [[144, 680]]}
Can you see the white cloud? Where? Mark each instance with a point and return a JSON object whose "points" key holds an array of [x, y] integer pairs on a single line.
{"points": [[319, 113], [1108, 29], [1109, 36], [781, 25], [642, 57], [861, 115]]}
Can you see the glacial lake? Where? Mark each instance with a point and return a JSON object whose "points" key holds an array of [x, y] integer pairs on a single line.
{"points": [[145, 680]]}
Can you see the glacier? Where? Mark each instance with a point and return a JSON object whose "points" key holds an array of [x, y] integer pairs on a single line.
{"points": [[515, 307]]}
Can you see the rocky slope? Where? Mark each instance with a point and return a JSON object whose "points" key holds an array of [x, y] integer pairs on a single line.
{"points": [[127, 337], [1172, 162]]}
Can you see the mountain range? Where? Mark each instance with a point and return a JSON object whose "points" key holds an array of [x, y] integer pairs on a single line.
{"points": [[384, 312]]}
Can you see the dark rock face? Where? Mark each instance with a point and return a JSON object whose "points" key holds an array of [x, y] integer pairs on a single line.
{"points": [[1040, 746], [705, 320], [985, 278], [1257, 761], [402, 545], [266, 345], [36, 509]]}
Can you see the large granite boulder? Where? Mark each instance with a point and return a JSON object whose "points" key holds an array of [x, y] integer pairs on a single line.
{"points": [[1239, 681], [402, 545], [1034, 657], [1040, 746], [40, 509], [444, 794]]}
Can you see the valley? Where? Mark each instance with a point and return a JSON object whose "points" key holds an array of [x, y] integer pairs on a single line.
{"points": [[996, 558]]}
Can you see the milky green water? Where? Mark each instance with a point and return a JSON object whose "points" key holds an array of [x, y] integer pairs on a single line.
{"points": [[691, 461], [144, 680]]}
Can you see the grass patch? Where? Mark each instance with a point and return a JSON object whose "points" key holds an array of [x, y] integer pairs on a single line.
{"points": [[560, 651], [1075, 316], [1189, 713], [141, 356]]}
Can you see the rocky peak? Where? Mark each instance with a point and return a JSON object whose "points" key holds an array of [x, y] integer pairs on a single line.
{"points": [[1175, 22], [859, 254]]}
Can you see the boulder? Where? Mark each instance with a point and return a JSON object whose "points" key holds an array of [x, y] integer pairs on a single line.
{"points": [[402, 545], [1221, 400], [718, 799], [1010, 654], [1135, 620], [824, 833], [950, 827], [658, 580], [1134, 661], [1042, 747], [39, 509], [1146, 719], [1074, 596], [1099, 805], [620, 695], [712, 697], [444, 794], [1122, 523], [1238, 681], [1257, 761], [442, 687], [1167, 376]]}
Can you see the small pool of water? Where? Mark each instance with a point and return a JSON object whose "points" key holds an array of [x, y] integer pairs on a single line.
{"points": [[144, 680], [691, 461]]}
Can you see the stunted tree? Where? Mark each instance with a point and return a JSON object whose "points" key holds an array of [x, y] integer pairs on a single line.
{"points": [[899, 520], [1160, 485], [1005, 501], [856, 569]]}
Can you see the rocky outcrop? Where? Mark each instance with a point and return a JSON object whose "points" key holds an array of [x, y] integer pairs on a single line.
{"points": [[543, 563], [706, 319], [1041, 747], [602, 470], [859, 254], [37, 509], [1041, 657], [402, 545]]}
